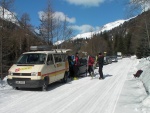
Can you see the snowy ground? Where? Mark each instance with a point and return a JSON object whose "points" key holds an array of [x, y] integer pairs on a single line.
{"points": [[119, 92]]}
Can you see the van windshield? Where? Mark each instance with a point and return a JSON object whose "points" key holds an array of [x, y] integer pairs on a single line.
{"points": [[32, 58]]}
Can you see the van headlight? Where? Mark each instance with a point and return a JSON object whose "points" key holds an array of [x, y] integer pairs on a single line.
{"points": [[34, 73]]}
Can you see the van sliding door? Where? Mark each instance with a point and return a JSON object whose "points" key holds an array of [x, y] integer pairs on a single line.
{"points": [[59, 66]]}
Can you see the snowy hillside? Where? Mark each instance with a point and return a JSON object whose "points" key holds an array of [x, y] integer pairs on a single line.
{"points": [[106, 27], [9, 16], [58, 42]]}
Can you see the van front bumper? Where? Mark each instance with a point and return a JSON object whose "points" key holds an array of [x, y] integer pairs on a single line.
{"points": [[25, 83]]}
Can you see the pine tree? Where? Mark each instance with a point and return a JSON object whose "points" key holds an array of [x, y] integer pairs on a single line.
{"points": [[127, 43], [143, 49]]}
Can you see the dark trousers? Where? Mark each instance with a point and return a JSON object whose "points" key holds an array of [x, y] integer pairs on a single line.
{"points": [[76, 71], [101, 72], [71, 70], [90, 69]]}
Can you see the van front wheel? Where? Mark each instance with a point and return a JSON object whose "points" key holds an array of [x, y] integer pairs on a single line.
{"points": [[45, 84], [16, 88]]}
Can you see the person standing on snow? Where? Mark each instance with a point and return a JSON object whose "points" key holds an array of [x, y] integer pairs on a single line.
{"points": [[76, 65], [100, 61], [71, 65], [90, 65]]}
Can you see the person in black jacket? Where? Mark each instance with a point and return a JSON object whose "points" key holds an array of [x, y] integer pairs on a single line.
{"points": [[71, 66], [76, 65], [100, 62]]}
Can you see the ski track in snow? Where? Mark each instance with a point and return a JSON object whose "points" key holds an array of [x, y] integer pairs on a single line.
{"points": [[85, 95]]}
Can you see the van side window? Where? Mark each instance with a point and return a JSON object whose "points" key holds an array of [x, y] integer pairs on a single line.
{"points": [[57, 58], [50, 59], [63, 56]]}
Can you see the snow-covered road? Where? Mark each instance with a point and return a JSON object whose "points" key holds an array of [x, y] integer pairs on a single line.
{"points": [[84, 95]]}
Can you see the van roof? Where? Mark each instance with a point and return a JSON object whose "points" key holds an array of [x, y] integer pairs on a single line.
{"points": [[53, 51]]}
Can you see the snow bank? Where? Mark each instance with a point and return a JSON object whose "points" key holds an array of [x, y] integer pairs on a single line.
{"points": [[133, 57], [146, 102], [3, 83], [144, 64], [145, 78]]}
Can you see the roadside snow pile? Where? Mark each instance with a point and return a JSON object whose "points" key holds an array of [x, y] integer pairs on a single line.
{"points": [[144, 64], [3, 83]]}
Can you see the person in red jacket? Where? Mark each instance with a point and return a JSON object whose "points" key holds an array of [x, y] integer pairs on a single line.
{"points": [[90, 65]]}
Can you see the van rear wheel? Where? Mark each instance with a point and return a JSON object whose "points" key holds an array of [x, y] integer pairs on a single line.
{"points": [[44, 87]]}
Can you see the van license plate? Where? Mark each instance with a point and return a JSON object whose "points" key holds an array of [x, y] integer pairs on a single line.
{"points": [[20, 82]]}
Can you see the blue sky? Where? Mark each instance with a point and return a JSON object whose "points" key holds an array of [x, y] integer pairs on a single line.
{"points": [[81, 14]]}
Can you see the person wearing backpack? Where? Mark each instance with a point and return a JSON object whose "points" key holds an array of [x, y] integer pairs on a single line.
{"points": [[90, 66]]}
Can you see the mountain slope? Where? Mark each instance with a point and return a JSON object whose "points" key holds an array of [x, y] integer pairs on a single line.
{"points": [[106, 27], [8, 16]]}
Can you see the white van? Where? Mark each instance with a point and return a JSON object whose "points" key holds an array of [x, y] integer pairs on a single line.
{"points": [[38, 69]]}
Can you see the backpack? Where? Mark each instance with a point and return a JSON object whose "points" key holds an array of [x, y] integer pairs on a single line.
{"points": [[138, 73]]}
